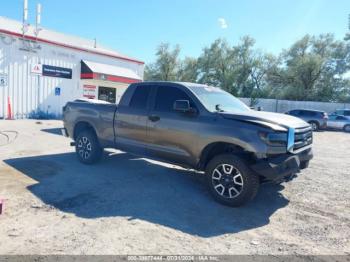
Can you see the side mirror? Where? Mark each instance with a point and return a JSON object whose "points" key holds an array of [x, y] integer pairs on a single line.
{"points": [[183, 106]]}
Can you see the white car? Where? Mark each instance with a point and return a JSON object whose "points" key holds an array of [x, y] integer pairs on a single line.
{"points": [[339, 122], [342, 112]]}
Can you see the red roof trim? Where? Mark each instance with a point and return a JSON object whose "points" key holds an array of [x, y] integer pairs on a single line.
{"points": [[87, 76], [71, 47], [119, 79], [122, 79]]}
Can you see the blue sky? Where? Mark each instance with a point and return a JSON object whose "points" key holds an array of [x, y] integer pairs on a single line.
{"points": [[136, 27]]}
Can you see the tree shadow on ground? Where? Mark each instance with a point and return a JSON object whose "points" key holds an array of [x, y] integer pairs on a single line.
{"points": [[127, 186]]}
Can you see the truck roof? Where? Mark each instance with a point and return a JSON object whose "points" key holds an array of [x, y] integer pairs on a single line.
{"points": [[188, 84]]}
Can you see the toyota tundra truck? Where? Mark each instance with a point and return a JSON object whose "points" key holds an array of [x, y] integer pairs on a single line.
{"points": [[197, 127]]}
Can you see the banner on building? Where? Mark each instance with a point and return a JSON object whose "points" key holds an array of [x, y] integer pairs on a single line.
{"points": [[55, 71]]}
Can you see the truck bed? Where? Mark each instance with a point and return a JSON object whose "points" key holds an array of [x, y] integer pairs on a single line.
{"points": [[100, 115]]}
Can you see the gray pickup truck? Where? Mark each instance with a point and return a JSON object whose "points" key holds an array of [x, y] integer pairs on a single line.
{"points": [[194, 126]]}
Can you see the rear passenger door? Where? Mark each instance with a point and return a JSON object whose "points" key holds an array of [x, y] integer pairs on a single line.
{"points": [[341, 122], [173, 134], [131, 121], [332, 122]]}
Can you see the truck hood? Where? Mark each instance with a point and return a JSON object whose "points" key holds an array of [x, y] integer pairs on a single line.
{"points": [[276, 121]]}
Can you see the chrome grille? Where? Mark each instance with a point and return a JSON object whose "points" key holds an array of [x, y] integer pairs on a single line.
{"points": [[302, 138]]}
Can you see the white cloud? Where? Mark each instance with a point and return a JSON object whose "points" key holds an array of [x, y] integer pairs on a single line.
{"points": [[222, 22]]}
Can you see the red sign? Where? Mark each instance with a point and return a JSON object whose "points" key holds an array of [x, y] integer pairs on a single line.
{"points": [[89, 91], [37, 69]]}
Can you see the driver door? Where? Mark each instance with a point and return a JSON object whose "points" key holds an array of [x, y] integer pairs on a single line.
{"points": [[173, 134]]}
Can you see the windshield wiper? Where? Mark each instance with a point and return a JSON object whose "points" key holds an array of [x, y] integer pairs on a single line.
{"points": [[218, 108]]}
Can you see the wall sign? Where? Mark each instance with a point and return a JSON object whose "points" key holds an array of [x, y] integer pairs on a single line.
{"points": [[37, 69], [3, 80], [89, 91], [57, 91], [55, 71]]}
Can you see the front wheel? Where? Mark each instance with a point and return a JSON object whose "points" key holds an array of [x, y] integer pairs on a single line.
{"points": [[87, 147], [230, 180], [304, 164]]}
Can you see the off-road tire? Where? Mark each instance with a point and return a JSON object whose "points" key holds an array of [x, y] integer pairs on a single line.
{"points": [[249, 187], [304, 164], [87, 147]]}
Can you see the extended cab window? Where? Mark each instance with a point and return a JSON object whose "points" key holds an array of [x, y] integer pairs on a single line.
{"points": [[140, 97], [167, 95]]}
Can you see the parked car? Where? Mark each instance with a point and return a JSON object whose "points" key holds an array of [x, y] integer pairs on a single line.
{"points": [[194, 126], [339, 122], [342, 112], [317, 119]]}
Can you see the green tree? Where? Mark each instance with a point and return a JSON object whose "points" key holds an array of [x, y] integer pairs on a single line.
{"points": [[166, 66], [215, 65], [188, 70], [310, 69], [238, 69]]}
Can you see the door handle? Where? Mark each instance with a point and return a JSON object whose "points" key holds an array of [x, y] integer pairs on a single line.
{"points": [[154, 118]]}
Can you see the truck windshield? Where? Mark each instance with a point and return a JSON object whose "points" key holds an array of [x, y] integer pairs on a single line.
{"points": [[215, 99]]}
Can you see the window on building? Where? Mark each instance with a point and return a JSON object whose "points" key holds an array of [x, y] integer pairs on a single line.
{"points": [[107, 94]]}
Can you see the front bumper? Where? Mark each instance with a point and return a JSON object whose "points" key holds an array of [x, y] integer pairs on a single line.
{"points": [[279, 167]]}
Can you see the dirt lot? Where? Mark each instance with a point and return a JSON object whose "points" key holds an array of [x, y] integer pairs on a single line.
{"points": [[127, 205]]}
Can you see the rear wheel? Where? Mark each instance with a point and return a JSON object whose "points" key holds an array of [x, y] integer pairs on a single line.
{"points": [[347, 128], [314, 125], [87, 147], [230, 181]]}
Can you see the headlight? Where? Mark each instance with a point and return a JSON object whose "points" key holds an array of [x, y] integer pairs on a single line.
{"points": [[274, 139]]}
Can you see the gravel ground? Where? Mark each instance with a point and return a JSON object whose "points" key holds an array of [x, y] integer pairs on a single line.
{"points": [[128, 205]]}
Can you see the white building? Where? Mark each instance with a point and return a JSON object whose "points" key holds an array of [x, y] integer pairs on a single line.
{"points": [[40, 72]]}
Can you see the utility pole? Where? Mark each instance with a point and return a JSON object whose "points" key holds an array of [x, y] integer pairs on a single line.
{"points": [[25, 17], [38, 20]]}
